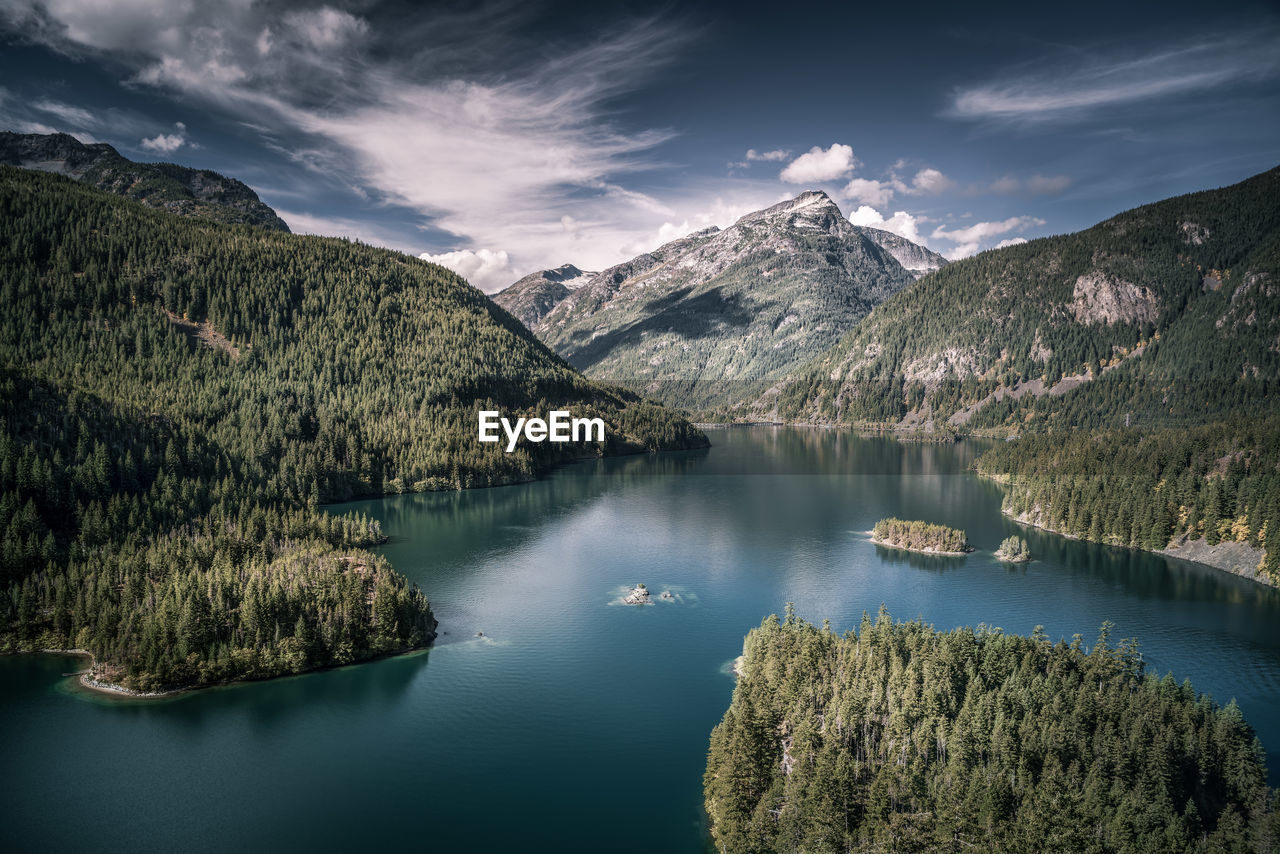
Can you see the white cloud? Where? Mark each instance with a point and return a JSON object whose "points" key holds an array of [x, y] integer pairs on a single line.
{"points": [[818, 165], [1063, 91], [930, 181], [717, 212], [980, 231], [323, 28], [77, 116], [868, 192], [963, 250], [1011, 241], [777, 155], [166, 143], [901, 223], [325, 226], [496, 161], [488, 270]]}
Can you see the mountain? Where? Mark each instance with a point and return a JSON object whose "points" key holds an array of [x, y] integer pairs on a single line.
{"points": [[917, 259], [177, 189], [537, 293], [178, 398], [701, 320], [1167, 314]]}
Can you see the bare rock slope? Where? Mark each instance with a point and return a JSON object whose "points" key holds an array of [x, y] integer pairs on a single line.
{"points": [[703, 320]]}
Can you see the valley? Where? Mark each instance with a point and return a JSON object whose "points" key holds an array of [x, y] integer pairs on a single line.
{"points": [[236, 461]]}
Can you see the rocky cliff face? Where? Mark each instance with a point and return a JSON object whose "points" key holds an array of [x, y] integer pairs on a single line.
{"points": [[703, 319], [537, 293], [197, 193], [1165, 314], [915, 258]]}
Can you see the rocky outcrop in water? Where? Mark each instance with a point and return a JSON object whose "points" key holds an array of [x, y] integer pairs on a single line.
{"points": [[638, 595]]}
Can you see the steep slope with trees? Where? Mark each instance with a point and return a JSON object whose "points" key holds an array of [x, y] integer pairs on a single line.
{"points": [[1165, 314], [1212, 485], [178, 398]]}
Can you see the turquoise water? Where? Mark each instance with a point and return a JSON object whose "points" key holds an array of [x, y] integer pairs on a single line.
{"points": [[574, 723]]}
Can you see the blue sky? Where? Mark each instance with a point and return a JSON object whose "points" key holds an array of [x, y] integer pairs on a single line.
{"points": [[502, 138]]}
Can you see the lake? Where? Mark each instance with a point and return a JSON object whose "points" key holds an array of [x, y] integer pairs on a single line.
{"points": [[576, 723]]}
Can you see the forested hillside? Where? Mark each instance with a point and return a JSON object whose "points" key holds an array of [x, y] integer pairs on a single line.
{"points": [[897, 737], [1165, 314], [1146, 488], [180, 396]]}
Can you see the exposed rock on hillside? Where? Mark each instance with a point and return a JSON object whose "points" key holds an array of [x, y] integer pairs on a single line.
{"points": [[702, 320], [197, 193]]}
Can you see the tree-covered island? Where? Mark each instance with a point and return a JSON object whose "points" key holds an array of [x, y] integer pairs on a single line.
{"points": [[917, 536], [1014, 550], [897, 737]]}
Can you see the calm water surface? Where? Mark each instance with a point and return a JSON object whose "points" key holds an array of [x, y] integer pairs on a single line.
{"points": [[574, 723]]}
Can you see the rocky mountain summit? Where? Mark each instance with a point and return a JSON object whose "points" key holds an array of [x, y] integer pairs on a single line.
{"points": [[198, 193], [537, 293], [702, 319]]}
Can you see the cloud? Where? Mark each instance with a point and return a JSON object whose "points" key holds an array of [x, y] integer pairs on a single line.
{"points": [[77, 116], [717, 211], [1050, 185], [777, 155], [930, 181], [819, 165], [493, 157], [982, 230], [880, 193], [963, 250], [1036, 185], [1012, 241], [323, 28], [869, 192], [488, 270], [1064, 91], [300, 222], [901, 223], [166, 143]]}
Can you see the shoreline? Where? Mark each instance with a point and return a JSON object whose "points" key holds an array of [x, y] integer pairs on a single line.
{"points": [[1171, 551], [86, 682], [934, 552]]}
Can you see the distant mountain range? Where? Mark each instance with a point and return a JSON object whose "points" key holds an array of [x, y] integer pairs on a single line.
{"points": [[1165, 314], [197, 193], [702, 320]]}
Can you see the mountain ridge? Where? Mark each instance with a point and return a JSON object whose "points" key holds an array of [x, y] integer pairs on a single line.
{"points": [[1161, 311], [701, 318], [182, 190]]}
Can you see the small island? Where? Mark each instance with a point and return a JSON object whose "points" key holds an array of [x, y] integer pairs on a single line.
{"points": [[923, 537], [1014, 550]]}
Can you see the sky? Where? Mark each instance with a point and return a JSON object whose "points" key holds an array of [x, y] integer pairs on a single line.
{"points": [[501, 138]]}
